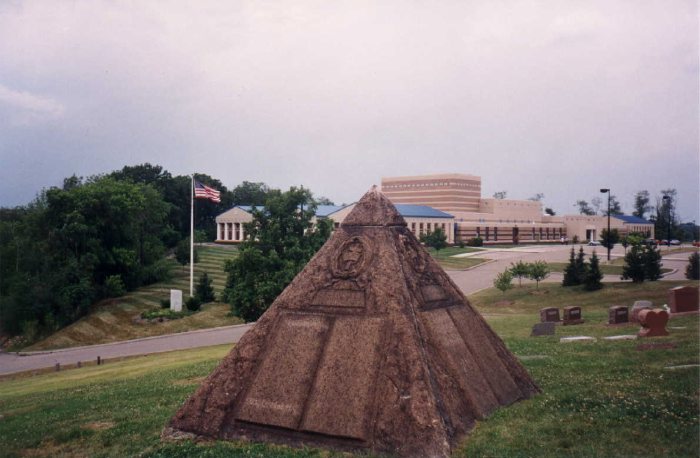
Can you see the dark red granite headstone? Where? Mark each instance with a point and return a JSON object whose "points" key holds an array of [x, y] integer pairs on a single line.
{"points": [[653, 323], [372, 347], [572, 315], [549, 314], [683, 299], [618, 314]]}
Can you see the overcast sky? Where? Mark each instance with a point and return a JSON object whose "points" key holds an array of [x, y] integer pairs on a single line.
{"points": [[557, 97]]}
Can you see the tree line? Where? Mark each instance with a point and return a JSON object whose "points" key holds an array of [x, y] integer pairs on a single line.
{"points": [[98, 237]]}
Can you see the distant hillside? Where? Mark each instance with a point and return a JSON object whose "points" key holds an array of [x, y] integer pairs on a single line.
{"points": [[113, 320]]}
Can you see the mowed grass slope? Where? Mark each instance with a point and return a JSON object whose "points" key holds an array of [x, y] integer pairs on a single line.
{"points": [[598, 399], [113, 320]]}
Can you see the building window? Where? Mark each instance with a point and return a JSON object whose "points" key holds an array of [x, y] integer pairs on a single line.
{"points": [[495, 234], [487, 234]]}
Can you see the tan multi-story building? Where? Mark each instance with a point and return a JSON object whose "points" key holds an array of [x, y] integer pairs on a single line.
{"points": [[452, 192], [500, 220]]}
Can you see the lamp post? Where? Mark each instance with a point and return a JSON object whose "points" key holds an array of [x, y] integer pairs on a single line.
{"points": [[607, 190], [667, 198]]}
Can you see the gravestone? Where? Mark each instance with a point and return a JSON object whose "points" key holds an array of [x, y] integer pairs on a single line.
{"points": [[549, 314], [371, 347], [637, 307], [572, 315], [618, 314], [542, 329], [653, 323], [176, 300], [683, 299]]}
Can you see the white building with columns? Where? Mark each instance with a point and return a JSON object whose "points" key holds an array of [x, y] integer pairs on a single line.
{"points": [[421, 219]]}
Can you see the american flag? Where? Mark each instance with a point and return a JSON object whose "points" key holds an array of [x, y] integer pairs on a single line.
{"points": [[205, 192]]}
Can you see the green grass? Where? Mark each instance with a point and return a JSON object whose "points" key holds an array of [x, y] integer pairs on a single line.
{"points": [[446, 259], [113, 320], [598, 399]]}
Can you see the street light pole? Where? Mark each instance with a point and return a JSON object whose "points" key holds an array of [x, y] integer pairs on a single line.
{"points": [[668, 206], [607, 241]]}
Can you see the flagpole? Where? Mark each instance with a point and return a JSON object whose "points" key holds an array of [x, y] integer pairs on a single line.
{"points": [[192, 238]]}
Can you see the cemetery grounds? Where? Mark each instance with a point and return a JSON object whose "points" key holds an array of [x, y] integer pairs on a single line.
{"points": [[602, 398]]}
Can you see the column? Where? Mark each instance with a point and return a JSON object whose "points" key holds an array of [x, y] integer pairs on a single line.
{"points": [[242, 232]]}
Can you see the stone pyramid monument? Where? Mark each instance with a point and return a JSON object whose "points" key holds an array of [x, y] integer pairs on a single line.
{"points": [[371, 347]]}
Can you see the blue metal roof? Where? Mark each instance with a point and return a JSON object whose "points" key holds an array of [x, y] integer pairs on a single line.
{"points": [[421, 211], [632, 219]]}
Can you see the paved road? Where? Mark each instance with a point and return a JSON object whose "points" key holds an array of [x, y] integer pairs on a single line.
{"points": [[469, 281], [13, 362]]}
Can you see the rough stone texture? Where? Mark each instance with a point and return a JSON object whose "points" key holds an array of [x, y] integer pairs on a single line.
{"points": [[618, 314], [683, 299], [549, 314], [572, 315], [543, 329], [637, 307], [371, 347], [653, 323]]}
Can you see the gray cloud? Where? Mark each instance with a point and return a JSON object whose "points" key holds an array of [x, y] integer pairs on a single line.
{"points": [[554, 97]]}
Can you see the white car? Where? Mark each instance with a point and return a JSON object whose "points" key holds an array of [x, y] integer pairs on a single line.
{"points": [[594, 243]]}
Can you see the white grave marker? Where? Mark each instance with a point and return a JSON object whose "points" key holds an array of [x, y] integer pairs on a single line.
{"points": [[176, 300]]}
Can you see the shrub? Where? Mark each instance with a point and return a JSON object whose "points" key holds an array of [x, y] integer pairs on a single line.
{"points": [[182, 252], [461, 244], [204, 291], [193, 303], [114, 286], [436, 239], [692, 270], [575, 240], [476, 241], [503, 281]]}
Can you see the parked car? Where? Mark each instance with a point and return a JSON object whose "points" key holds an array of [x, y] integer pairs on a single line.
{"points": [[651, 242], [594, 243], [696, 244], [675, 242]]}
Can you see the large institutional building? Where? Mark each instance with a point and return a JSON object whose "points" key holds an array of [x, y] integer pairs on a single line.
{"points": [[453, 203]]}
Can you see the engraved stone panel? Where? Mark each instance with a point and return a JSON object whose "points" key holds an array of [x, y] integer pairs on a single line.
{"points": [[339, 298], [277, 395], [463, 365], [339, 402]]}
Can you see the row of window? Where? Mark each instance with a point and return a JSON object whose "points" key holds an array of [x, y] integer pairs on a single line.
{"points": [[427, 228], [544, 234], [423, 185]]}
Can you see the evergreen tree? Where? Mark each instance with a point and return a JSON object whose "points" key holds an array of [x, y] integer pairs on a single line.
{"points": [[592, 280], [435, 239], [580, 266], [634, 265], [652, 263], [692, 270], [204, 292], [571, 277]]}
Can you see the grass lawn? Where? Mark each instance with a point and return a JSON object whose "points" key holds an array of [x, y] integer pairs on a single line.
{"points": [[598, 399], [113, 320], [446, 259]]}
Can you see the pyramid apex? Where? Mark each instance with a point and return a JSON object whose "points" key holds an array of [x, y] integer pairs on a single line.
{"points": [[374, 209]]}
